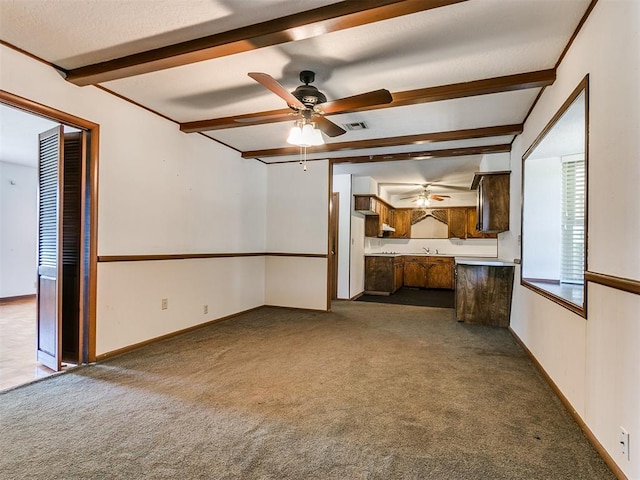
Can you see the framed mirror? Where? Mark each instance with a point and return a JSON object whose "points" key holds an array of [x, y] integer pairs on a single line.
{"points": [[554, 206]]}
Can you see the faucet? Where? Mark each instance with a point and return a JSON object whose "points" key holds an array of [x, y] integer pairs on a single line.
{"points": [[436, 251], [426, 249]]}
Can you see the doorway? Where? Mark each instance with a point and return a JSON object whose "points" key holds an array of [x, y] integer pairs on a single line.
{"points": [[64, 285]]}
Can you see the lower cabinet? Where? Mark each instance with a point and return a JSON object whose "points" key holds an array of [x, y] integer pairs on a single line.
{"points": [[382, 275], [483, 294], [428, 272]]}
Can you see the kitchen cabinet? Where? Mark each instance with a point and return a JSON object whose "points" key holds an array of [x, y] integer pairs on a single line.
{"points": [[457, 221], [415, 271], [493, 201], [440, 273], [472, 226], [483, 294], [383, 274], [402, 223], [428, 272], [377, 212]]}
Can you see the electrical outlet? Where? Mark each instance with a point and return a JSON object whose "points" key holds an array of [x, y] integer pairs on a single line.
{"points": [[165, 303], [624, 443], [205, 309]]}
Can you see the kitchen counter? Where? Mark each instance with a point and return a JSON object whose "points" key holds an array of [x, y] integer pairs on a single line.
{"points": [[488, 261]]}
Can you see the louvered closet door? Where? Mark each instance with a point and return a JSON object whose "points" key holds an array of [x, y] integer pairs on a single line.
{"points": [[49, 324]]}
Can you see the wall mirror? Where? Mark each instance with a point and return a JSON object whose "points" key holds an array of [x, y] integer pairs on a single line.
{"points": [[554, 206]]}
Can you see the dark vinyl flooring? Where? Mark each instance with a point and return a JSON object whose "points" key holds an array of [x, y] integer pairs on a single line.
{"points": [[415, 296]]}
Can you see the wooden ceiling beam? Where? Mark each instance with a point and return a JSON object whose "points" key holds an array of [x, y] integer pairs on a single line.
{"points": [[425, 155], [393, 141], [308, 24], [507, 83]]}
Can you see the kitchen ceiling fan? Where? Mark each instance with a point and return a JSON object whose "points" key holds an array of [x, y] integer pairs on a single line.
{"points": [[309, 105], [423, 196]]}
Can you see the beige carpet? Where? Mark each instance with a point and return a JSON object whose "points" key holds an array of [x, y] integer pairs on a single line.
{"points": [[369, 391]]}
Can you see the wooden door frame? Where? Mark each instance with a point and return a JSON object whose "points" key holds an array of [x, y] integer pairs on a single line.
{"points": [[88, 266], [334, 240]]}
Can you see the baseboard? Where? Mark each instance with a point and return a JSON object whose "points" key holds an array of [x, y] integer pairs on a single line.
{"points": [[17, 298], [129, 348], [572, 411], [357, 296], [302, 309]]}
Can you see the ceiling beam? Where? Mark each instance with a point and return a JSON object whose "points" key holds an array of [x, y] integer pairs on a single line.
{"points": [[507, 83], [393, 141], [425, 155], [308, 24]]}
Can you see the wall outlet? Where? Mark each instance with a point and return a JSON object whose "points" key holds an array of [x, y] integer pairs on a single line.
{"points": [[165, 303], [624, 443], [205, 310]]}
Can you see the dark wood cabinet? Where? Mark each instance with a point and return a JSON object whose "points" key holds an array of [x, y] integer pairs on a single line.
{"points": [[402, 223], [415, 271], [457, 222], [493, 201], [472, 226], [483, 294], [377, 212], [428, 272], [383, 275], [440, 273]]}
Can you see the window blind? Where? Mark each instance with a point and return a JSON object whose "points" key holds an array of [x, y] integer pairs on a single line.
{"points": [[573, 211]]}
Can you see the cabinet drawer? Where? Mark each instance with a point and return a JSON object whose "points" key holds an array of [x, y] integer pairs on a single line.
{"points": [[440, 259]]}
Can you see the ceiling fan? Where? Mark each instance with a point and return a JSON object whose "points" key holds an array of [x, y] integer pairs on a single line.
{"points": [[309, 105], [423, 196]]}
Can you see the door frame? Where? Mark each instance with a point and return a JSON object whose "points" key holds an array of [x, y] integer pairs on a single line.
{"points": [[88, 260]]}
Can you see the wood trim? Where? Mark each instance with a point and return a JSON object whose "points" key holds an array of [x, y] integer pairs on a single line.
{"points": [[477, 176], [59, 116], [330, 273], [32, 107], [17, 298], [28, 54], [424, 155], [583, 85], [419, 139], [190, 256], [577, 309], [302, 25], [576, 31], [508, 83], [572, 411], [619, 283], [135, 346], [133, 102]]}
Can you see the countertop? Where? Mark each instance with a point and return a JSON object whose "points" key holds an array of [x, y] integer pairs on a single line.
{"points": [[462, 260]]}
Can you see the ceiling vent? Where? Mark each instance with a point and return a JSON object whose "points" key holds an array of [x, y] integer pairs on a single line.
{"points": [[356, 126]]}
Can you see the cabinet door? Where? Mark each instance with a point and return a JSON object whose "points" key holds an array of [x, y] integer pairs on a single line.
{"points": [[472, 226], [415, 274], [440, 275], [493, 203], [457, 223], [378, 274], [402, 224], [398, 276]]}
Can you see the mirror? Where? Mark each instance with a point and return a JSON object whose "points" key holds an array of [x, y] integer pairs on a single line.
{"points": [[554, 206]]}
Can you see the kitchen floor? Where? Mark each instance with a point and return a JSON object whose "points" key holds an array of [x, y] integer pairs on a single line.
{"points": [[415, 296], [18, 363]]}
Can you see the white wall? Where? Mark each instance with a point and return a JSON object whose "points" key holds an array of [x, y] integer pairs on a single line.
{"points": [[476, 247], [543, 204], [342, 185], [596, 361], [18, 229], [160, 191], [297, 222]]}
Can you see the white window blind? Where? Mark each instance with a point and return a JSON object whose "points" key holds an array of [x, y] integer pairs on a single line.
{"points": [[573, 230]]}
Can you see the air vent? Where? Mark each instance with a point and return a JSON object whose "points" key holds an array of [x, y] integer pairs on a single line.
{"points": [[356, 126]]}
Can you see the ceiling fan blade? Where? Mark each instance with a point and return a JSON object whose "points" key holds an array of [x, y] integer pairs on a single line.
{"points": [[328, 127], [267, 81], [438, 198], [407, 198], [356, 102]]}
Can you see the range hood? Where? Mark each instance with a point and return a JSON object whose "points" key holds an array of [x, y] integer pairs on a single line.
{"points": [[387, 228]]}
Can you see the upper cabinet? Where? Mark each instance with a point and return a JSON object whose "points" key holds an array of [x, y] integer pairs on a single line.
{"points": [[493, 201]]}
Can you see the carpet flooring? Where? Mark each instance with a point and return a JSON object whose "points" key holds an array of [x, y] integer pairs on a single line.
{"points": [[415, 296], [368, 391]]}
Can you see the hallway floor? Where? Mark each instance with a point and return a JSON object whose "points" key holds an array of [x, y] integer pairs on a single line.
{"points": [[18, 362]]}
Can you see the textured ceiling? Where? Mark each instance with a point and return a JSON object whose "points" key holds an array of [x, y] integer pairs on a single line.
{"points": [[461, 42]]}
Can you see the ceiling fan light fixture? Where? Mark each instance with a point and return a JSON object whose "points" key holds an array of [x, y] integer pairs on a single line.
{"points": [[305, 136], [422, 201]]}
